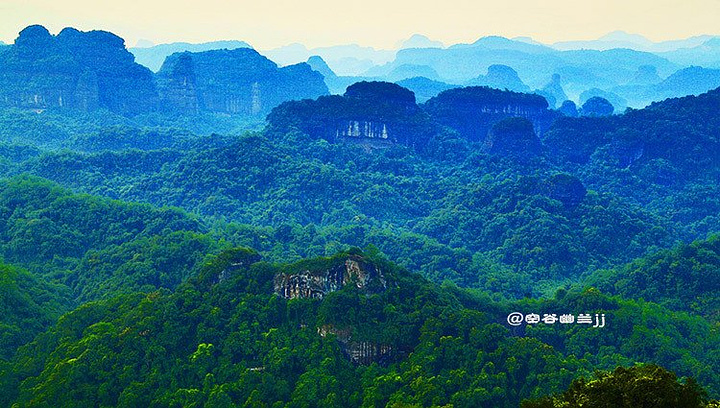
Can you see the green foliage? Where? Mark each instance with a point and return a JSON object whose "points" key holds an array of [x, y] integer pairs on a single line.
{"points": [[162, 313], [29, 305], [638, 386], [686, 278]]}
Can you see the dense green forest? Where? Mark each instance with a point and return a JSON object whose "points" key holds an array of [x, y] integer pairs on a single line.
{"points": [[224, 338], [144, 258]]}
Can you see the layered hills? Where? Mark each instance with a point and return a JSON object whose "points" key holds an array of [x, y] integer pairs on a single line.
{"points": [[87, 71], [144, 263]]}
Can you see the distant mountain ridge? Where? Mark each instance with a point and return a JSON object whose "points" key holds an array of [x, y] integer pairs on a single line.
{"points": [[86, 71], [239, 81], [74, 69], [153, 57], [622, 39]]}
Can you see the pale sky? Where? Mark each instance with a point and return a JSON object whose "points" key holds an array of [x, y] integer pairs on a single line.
{"points": [[378, 23]]}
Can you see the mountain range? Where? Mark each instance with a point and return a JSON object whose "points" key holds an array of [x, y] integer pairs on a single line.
{"points": [[230, 232]]}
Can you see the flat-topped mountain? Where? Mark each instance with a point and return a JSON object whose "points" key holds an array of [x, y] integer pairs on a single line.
{"points": [[379, 112], [239, 81], [93, 70], [154, 56], [472, 111], [74, 69]]}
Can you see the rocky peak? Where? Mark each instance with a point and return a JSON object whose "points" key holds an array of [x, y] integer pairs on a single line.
{"points": [[237, 81], [34, 36], [75, 69], [372, 113], [318, 64], [315, 283], [100, 49], [386, 93]]}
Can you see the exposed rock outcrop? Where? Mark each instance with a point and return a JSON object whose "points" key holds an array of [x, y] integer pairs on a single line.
{"points": [[238, 81], [317, 283], [75, 69], [359, 352], [377, 112]]}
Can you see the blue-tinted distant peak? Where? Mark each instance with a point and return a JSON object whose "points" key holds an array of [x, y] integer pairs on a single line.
{"points": [[494, 42], [625, 37], [420, 41]]}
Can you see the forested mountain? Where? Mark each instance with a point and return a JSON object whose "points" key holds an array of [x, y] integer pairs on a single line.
{"points": [[87, 71], [191, 254], [235, 334], [239, 81], [77, 70], [154, 56]]}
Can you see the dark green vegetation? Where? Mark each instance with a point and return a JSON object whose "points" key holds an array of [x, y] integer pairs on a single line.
{"points": [[119, 285], [639, 386], [224, 338]]}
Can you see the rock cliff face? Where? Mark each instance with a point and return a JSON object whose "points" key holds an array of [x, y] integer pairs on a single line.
{"points": [[473, 111], [317, 280], [315, 284], [377, 112], [238, 81], [93, 70], [359, 352], [78, 70]]}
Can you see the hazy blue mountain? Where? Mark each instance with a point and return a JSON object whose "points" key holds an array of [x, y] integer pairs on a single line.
{"points": [[318, 64], [617, 65], [502, 43], [407, 71], [75, 69], [336, 84], [424, 88], [420, 41], [615, 39], [706, 54], [153, 57], [689, 81], [534, 63], [553, 92], [288, 54], [501, 77], [621, 39], [618, 102], [344, 60], [239, 81], [686, 81], [646, 75]]}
